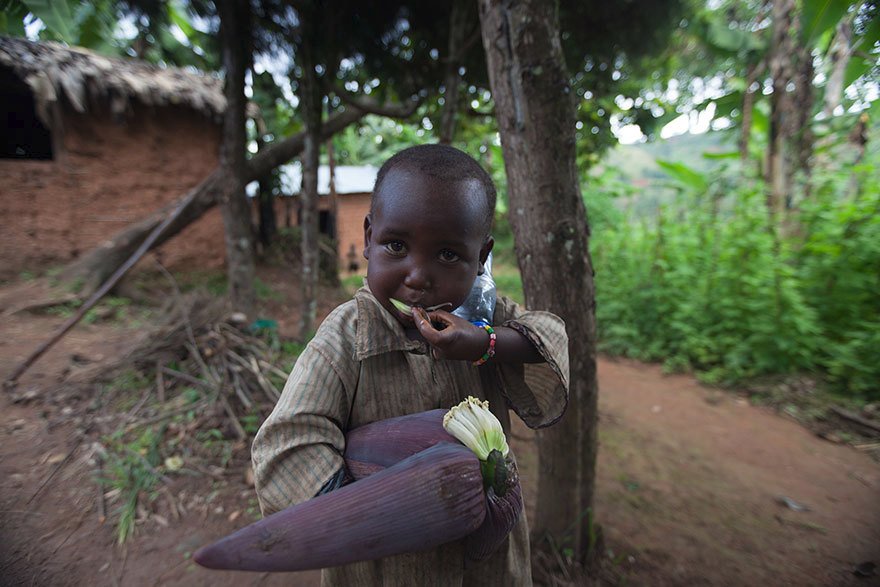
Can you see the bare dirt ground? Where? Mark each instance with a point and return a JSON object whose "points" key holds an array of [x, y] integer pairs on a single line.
{"points": [[692, 485]]}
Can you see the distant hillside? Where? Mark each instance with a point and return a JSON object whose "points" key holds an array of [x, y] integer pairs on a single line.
{"points": [[637, 165], [638, 161]]}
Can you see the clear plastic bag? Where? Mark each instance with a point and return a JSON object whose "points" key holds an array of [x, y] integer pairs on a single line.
{"points": [[480, 303]]}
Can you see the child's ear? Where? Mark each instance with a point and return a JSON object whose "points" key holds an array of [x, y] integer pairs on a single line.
{"points": [[368, 235], [485, 250]]}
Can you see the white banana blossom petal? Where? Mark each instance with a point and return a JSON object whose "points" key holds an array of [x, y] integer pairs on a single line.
{"points": [[461, 415], [468, 419], [484, 417], [476, 427], [489, 425], [456, 429]]}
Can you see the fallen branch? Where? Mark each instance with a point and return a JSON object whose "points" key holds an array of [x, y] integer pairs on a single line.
{"points": [[55, 470], [95, 298], [30, 306], [847, 415], [242, 435], [188, 378], [102, 510], [160, 383], [165, 415]]}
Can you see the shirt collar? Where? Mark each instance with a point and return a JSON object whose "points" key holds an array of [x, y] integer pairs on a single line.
{"points": [[378, 331]]}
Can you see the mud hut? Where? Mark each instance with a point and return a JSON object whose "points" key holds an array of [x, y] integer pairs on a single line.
{"points": [[93, 143]]}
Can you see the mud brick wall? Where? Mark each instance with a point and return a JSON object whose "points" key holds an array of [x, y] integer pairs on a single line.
{"points": [[106, 174], [352, 208]]}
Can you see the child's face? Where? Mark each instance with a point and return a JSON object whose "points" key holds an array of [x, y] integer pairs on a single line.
{"points": [[425, 241]]}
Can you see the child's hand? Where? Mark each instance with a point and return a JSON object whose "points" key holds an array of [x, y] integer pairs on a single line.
{"points": [[459, 340]]}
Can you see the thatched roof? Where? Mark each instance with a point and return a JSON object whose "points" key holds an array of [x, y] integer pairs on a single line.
{"points": [[52, 70]]}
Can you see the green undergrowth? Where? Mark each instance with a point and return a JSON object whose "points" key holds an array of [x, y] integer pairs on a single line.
{"points": [[710, 285]]}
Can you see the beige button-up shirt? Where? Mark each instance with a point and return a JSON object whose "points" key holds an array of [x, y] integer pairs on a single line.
{"points": [[361, 367]]}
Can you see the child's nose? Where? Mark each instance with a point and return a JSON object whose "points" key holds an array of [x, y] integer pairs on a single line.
{"points": [[417, 278]]}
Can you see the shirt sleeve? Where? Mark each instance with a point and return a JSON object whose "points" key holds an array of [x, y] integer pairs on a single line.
{"points": [[537, 392], [299, 447]]}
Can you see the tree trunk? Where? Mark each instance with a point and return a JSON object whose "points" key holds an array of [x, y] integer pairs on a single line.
{"points": [[841, 51], [311, 97], [781, 65], [458, 29], [267, 222], [334, 197], [802, 137], [536, 116], [858, 138], [747, 110], [234, 205]]}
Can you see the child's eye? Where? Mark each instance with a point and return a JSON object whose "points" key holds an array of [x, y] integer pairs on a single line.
{"points": [[448, 256], [395, 248]]}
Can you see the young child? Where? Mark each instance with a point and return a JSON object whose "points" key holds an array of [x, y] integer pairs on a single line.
{"points": [[426, 238]]}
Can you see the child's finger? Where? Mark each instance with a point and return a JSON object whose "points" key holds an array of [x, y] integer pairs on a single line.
{"points": [[427, 330], [442, 317]]}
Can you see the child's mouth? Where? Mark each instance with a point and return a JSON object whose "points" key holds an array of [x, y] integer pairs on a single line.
{"points": [[407, 310]]}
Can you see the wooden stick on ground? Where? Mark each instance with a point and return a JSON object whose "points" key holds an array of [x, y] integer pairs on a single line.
{"points": [[160, 383], [102, 510], [55, 470], [847, 415], [96, 297]]}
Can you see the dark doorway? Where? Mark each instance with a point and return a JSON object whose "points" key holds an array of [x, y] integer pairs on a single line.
{"points": [[326, 224], [24, 136]]}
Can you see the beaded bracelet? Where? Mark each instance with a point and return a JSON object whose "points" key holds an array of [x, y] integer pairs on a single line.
{"points": [[490, 352]]}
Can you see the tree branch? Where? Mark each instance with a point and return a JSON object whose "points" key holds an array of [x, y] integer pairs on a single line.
{"points": [[367, 106]]}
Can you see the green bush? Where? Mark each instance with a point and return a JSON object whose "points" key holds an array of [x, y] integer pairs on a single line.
{"points": [[708, 284]]}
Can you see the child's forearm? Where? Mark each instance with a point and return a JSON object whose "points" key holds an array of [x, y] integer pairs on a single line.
{"points": [[513, 347]]}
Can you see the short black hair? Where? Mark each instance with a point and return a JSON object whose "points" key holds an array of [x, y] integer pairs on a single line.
{"points": [[444, 163]]}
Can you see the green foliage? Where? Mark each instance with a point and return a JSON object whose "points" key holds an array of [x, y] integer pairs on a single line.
{"points": [[821, 15], [840, 262], [12, 15], [375, 140], [87, 24], [708, 284]]}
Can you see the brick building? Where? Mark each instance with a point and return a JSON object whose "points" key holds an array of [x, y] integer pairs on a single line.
{"points": [[91, 144], [342, 206]]}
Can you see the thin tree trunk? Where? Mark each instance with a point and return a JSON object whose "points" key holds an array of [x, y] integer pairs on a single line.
{"points": [[310, 96], [458, 27], [782, 74], [747, 109], [859, 139], [234, 205], [536, 116], [334, 197], [267, 222], [802, 137], [841, 51]]}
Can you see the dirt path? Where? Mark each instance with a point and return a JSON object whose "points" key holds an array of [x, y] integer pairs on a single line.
{"points": [[688, 491], [690, 479]]}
